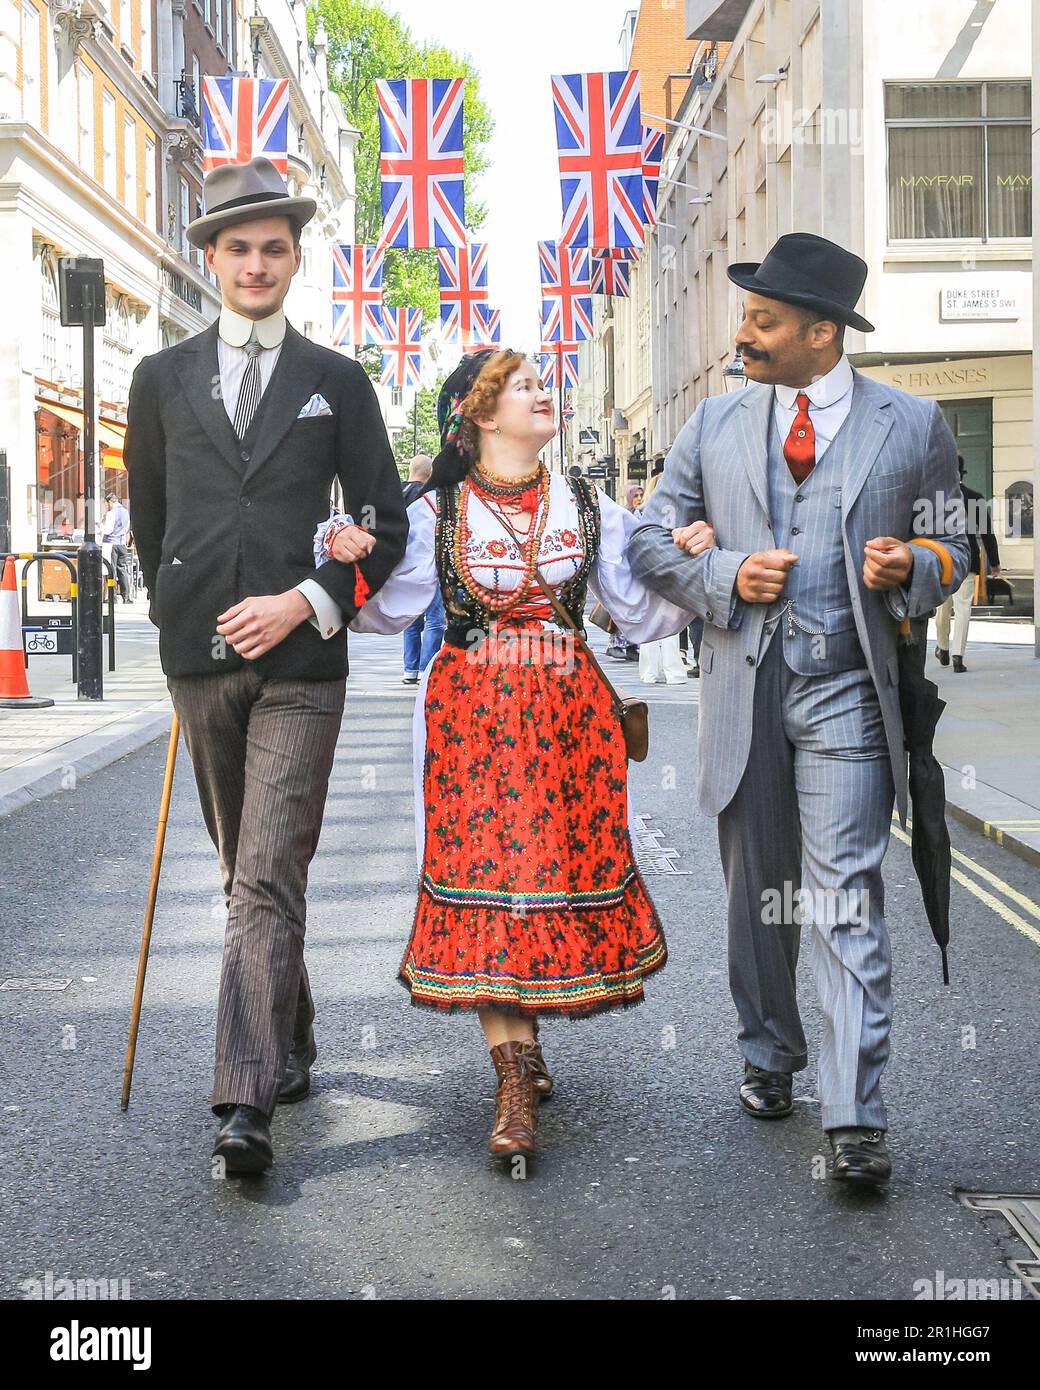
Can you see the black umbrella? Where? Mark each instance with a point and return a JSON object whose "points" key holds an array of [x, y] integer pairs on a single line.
{"points": [[921, 707]]}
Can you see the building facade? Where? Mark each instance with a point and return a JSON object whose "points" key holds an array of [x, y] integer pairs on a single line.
{"points": [[915, 155], [100, 155]]}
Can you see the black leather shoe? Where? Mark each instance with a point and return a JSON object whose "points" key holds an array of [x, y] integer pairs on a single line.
{"points": [[296, 1079], [958, 665], [766, 1094], [943, 657], [860, 1157], [244, 1140]]}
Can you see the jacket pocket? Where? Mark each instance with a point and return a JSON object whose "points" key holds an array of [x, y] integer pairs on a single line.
{"points": [[839, 619], [707, 656]]}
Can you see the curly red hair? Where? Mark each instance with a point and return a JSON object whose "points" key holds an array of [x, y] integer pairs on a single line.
{"points": [[483, 396]]}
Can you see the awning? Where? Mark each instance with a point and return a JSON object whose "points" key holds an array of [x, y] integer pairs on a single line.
{"points": [[109, 432]]}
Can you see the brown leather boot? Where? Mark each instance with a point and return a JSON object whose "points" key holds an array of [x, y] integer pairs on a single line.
{"points": [[516, 1102], [543, 1082]]}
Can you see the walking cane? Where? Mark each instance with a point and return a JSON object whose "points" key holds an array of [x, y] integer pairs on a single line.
{"points": [[153, 891]]}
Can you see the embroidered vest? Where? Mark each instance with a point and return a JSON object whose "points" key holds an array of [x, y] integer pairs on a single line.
{"points": [[464, 613]]}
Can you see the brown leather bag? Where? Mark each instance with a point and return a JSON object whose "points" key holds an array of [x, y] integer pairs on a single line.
{"points": [[632, 713]]}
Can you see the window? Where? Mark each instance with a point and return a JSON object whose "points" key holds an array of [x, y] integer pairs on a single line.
{"points": [[30, 63], [147, 60], [149, 184], [396, 396], [108, 141], [130, 165], [959, 164], [85, 80], [126, 32]]}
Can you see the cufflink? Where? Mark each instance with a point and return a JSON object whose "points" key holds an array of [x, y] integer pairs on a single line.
{"points": [[329, 631]]}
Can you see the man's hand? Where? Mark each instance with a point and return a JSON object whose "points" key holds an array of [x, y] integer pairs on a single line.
{"points": [[255, 625], [762, 576], [352, 544], [887, 564], [696, 538]]}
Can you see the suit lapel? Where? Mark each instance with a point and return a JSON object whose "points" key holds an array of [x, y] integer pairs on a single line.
{"points": [[296, 377], [199, 372], [866, 430], [753, 438]]}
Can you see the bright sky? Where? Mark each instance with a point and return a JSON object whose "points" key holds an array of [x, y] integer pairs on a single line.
{"points": [[517, 50]]}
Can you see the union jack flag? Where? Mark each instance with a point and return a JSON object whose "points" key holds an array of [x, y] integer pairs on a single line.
{"points": [[464, 286], [243, 117], [612, 277], [619, 253], [566, 293], [357, 296], [568, 413], [420, 120], [554, 357], [599, 135], [402, 348], [653, 154], [487, 327]]}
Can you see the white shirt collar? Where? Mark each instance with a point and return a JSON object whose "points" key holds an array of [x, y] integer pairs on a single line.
{"points": [[235, 328], [826, 391]]}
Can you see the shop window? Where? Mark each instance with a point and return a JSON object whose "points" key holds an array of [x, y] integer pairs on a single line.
{"points": [[959, 164]]}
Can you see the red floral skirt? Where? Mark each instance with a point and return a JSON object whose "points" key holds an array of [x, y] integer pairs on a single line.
{"points": [[530, 901]]}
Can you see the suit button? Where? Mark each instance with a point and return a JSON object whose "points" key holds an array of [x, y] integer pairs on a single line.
{"points": [[750, 660], [245, 502], [709, 615], [794, 531], [799, 498], [244, 456]]}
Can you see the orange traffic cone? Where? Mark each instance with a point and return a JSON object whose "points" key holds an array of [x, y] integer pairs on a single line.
{"points": [[14, 688]]}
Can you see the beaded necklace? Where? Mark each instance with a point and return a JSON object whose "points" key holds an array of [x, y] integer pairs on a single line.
{"points": [[494, 602]]}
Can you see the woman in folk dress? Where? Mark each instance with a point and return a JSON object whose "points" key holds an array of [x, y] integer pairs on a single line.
{"points": [[529, 900]]}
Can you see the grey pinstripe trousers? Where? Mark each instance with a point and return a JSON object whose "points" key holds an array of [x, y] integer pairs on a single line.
{"points": [[812, 813], [262, 751]]}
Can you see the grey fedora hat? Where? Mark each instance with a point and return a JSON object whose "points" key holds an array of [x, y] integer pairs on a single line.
{"points": [[236, 193]]}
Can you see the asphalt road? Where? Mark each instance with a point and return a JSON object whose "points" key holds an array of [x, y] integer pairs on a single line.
{"points": [[651, 1183]]}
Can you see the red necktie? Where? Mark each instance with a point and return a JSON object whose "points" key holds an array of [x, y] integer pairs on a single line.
{"points": [[800, 444]]}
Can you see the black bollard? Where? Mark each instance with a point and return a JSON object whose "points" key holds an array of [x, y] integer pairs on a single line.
{"points": [[89, 640]]}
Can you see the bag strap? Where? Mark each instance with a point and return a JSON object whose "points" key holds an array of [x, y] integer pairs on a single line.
{"points": [[565, 618]]}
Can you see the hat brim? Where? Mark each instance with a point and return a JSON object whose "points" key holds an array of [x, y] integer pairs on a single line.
{"points": [[204, 229], [744, 275]]}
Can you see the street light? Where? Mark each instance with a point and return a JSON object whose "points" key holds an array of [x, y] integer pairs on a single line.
{"points": [[734, 377]]}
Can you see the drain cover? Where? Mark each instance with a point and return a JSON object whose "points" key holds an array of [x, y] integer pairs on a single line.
{"points": [[1021, 1211], [32, 982]]}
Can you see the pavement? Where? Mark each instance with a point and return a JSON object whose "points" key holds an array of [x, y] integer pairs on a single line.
{"points": [[650, 1182], [988, 739]]}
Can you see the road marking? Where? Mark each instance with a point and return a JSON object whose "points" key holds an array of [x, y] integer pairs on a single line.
{"points": [[1001, 909]]}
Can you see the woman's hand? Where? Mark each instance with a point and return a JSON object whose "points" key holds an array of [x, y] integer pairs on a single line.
{"points": [[696, 538], [352, 544]]}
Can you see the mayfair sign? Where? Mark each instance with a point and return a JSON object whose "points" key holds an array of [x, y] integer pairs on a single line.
{"points": [[990, 300]]}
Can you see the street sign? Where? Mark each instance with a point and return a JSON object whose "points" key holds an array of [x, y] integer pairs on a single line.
{"points": [[587, 436], [52, 639], [595, 471]]}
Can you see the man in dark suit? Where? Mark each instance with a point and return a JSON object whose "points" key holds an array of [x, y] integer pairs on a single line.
{"points": [[234, 439]]}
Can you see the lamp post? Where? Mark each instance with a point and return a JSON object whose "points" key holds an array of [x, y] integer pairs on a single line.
{"points": [[734, 378], [81, 287]]}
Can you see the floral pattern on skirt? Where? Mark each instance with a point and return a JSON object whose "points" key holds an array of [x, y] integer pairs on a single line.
{"points": [[529, 899]]}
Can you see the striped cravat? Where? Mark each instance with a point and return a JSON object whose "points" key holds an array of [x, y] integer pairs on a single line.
{"points": [[249, 392]]}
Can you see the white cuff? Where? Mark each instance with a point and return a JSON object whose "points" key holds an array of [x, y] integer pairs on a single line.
{"points": [[328, 616]]}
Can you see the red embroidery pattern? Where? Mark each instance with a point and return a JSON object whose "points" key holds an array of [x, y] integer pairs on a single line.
{"points": [[530, 900]]}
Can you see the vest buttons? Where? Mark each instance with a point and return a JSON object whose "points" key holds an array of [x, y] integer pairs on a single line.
{"points": [[244, 456], [750, 660], [245, 502]]}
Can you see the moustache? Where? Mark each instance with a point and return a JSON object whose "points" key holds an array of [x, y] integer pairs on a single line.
{"points": [[753, 353]]}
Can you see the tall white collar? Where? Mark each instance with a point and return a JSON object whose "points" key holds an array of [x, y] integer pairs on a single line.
{"points": [[826, 391], [235, 328]]}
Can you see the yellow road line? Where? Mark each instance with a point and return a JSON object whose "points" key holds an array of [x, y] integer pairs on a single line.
{"points": [[1001, 909]]}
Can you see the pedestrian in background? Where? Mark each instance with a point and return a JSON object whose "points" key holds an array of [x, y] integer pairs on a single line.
{"points": [[958, 606], [619, 648], [422, 640], [115, 531], [660, 660]]}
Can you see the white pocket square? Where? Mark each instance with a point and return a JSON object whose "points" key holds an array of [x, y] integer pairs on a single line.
{"points": [[317, 405]]}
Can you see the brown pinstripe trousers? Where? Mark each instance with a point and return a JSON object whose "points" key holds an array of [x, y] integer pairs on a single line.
{"points": [[262, 751]]}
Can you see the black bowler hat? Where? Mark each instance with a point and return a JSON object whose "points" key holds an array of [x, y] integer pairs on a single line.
{"points": [[809, 271]]}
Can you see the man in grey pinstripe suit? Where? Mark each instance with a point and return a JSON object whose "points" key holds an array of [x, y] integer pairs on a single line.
{"points": [[814, 478]]}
